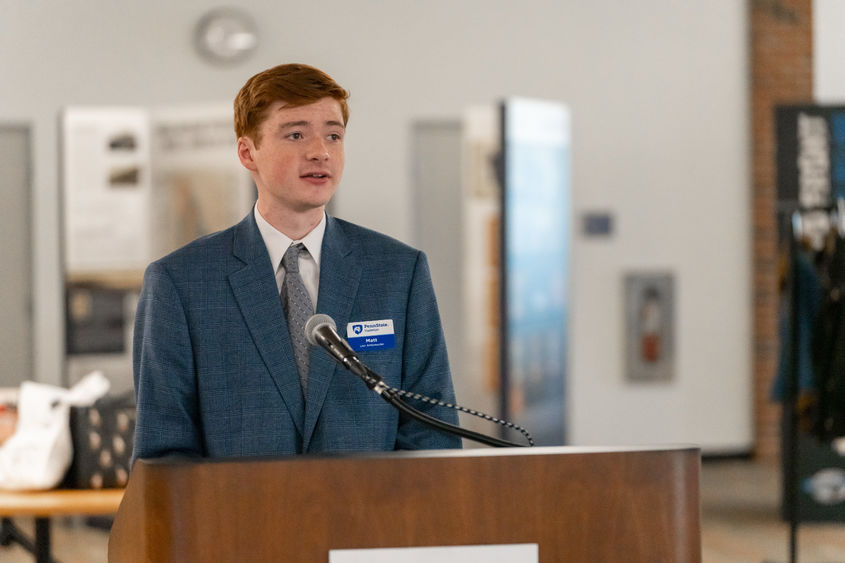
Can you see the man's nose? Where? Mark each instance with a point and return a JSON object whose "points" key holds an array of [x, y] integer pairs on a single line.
{"points": [[317, 150]]}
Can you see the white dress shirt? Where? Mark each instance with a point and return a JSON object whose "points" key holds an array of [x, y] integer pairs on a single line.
{"points": [[309, 263]]}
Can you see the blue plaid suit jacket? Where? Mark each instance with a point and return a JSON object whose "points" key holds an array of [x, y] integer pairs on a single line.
{"points": [[214, 369]]}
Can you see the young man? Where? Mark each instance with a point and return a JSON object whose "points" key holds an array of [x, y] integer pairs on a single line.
{"points": [[220, 365]]}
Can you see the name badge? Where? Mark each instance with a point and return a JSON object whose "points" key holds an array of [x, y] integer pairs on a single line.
{"points": [[370, 335]]}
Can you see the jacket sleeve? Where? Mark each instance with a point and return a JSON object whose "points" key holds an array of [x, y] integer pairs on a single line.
{"points": [[163, 367], [425, 366]]}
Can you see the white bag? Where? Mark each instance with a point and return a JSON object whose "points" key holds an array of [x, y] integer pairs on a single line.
{"points": [[39, 453]]}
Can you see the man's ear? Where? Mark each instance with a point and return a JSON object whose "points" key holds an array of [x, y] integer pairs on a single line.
{"points": [[246, 150]]}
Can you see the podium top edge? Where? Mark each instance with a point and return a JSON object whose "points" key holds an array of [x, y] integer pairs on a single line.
{"points": [[455, 453]]}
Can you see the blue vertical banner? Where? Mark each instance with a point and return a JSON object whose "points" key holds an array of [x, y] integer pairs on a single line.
{"points": [[536, 241]]}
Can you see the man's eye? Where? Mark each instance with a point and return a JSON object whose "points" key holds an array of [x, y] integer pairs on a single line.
{"points": [[335, 137], [295, 136]]}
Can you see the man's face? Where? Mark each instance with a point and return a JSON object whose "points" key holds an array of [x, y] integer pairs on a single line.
{"points": [[299, 161]]}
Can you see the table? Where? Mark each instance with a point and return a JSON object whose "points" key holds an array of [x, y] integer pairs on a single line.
{"points": [[44, 504]]}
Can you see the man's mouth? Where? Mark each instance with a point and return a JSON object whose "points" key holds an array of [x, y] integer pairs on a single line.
{"points": [[319, 175]]}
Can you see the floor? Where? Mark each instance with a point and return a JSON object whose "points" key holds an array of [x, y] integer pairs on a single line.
{"points": [[740, 524], [740, 509]]}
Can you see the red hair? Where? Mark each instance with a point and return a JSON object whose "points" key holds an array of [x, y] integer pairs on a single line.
{"points": [[293, 84]]}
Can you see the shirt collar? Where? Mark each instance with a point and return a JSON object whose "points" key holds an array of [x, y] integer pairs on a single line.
{"points": [[277, 242]]}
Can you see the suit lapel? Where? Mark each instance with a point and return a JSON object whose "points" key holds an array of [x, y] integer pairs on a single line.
{"points": [[254, 287], [340, 274]]}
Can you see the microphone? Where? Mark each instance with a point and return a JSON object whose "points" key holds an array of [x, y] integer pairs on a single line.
{"points": [[321, 330]]}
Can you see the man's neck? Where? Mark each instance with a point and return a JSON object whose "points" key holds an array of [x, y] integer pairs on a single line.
{"points": [[295, 225]]}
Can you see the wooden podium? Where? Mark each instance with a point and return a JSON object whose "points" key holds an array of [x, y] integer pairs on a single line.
{"points": [[577, 504]]}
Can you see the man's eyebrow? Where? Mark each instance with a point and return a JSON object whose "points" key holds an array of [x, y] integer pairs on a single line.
{"points": [[293, 124], [303, 123]]}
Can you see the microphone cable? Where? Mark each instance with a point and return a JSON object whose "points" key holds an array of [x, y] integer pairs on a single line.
{"points": [[394, 396]]}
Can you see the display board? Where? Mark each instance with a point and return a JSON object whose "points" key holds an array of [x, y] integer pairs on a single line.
{"points": [[137, 183], [811, 201]]}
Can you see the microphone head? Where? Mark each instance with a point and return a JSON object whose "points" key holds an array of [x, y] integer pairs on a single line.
{"points": [[314, 323]]}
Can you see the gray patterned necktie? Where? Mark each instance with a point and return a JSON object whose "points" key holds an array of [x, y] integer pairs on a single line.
{"points": [[298, 309]]}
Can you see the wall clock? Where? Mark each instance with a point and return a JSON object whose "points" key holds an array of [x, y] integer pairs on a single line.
{"points": [[226, 36]]}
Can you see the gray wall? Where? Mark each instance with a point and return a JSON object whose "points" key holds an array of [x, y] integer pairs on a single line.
{"points": [[15, 256], [658, 93]]}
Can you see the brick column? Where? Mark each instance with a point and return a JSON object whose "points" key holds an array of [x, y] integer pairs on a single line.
{"points": [[782, 72]]}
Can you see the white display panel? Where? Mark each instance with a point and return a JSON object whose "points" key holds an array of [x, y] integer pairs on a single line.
{"points": [[107, 184]]}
